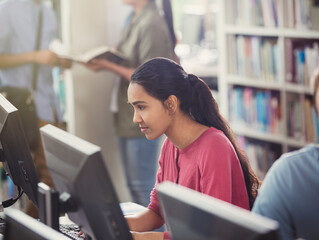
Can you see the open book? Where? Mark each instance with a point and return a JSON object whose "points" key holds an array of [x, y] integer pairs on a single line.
{"points": [[101, 52]]}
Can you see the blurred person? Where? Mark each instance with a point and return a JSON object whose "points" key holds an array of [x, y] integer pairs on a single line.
{"points": [[290, 191], [147, 35], [19, 21]]}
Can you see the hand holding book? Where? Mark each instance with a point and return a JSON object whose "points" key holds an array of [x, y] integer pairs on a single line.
{"points": [[97, 64], [101, 52]]}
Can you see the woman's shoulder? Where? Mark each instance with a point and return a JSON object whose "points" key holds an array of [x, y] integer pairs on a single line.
{"points": [[213, 142], [151, 19], [213, 146], [213, 134]]}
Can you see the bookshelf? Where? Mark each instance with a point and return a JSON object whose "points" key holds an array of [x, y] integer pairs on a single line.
{"points": [[267, 51]]}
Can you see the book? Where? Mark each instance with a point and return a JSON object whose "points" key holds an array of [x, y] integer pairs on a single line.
{"points": [[100, 52]]}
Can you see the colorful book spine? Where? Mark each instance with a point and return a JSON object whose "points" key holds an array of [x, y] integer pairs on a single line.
{"points": [[261, 155], [255, 108], [257, 58]]}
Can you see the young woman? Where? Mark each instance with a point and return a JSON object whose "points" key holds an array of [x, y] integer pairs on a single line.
{"points": [[147, 35], [200, 151]]}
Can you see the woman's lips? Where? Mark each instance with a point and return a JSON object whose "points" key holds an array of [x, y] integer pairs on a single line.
{"points": [[143, 129]]}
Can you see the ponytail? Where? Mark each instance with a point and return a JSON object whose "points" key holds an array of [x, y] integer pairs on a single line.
{"points": [[167, 9], [161, 77], [199, 98], [203, 108]]}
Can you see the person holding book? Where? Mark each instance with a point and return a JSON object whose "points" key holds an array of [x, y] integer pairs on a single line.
{"points": [[200, 151], [19, 27], [290, 191], [146, 35]]}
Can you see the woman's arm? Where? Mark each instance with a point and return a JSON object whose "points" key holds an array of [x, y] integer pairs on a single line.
{"points": [[148, 235], [103, 64], [44, 57], [147, 220]]}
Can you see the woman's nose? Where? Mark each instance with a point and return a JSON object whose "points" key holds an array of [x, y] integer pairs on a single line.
{"points": [[136, 117]]}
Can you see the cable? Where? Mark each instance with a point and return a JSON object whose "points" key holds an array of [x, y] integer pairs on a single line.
{"points": [[11, 201]]}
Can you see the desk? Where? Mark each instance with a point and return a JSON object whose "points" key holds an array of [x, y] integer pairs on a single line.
{"points": [[128, 208]]}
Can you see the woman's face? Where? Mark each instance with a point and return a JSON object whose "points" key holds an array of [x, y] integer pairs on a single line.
{"points": [[131, 2], [151, 115], [128, 2]]}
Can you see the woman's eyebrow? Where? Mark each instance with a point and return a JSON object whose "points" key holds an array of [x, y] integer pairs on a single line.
{"points": [[136, 102]]}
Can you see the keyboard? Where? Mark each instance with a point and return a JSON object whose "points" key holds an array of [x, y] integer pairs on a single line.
{"points": [[72, 231], [2, 225]]}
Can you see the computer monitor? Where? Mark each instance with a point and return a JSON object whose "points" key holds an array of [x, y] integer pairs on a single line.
{"points": [[193, 215], [77, 168], [192, 28], [14, 151], [21, 226]]}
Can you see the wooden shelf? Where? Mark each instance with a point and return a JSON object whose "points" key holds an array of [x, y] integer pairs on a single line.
{"points": [[295, 142], [253, 82], [295, 88], [252, 30], [264, 136], [271, 32], [304, 34]]}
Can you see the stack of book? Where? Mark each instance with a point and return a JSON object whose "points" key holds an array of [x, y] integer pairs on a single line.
{"points": [[256, 12], [301, 14], [256, 57], [261, 155], [304, 55], [255, 108]]}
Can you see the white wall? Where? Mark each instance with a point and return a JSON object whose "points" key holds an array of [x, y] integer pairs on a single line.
{"points": [[87, 24]]}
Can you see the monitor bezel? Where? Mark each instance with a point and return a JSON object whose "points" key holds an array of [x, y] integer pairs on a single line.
{"points": [[17, 161], [95, 210], [223, 211]]}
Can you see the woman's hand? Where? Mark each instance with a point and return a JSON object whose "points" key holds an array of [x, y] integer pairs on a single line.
{"points": [[47, 57], [147, 235], [65, 63], [103, 64], [98, 64]]}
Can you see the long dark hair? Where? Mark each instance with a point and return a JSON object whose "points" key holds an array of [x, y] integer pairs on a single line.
{"points": [[162, 77], [168, 15], [315, 84]]}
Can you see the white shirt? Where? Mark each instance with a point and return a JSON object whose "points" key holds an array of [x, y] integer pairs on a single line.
{"points": [[18, 32]]}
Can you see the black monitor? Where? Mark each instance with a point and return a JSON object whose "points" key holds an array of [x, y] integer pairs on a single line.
{"points": [[77, 168], [15, 153], [193, 215], [21, 226]]}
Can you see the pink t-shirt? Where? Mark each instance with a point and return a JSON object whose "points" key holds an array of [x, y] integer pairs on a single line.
{"points": [[208, 165]]}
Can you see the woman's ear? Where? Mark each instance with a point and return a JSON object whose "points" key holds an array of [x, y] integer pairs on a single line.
{"points": [[171, 103]]}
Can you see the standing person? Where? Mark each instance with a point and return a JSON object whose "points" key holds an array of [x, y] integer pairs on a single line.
{"points": [[200, 151], [18, 35], [147, 35], [290, 192]]}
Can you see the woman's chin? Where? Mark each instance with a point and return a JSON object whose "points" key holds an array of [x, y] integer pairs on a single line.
{"points": [[151, 137]]}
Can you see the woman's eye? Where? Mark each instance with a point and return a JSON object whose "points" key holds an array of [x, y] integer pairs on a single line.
{"points": [[140, 107]]}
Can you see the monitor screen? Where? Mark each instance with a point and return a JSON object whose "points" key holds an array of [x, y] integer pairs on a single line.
{"points": [[192, 29], [77, 168], [21, 226], [193, 215], [15, 153]]}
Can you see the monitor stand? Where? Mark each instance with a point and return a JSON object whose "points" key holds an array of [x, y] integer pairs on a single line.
{"points": [[52, 204]]}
